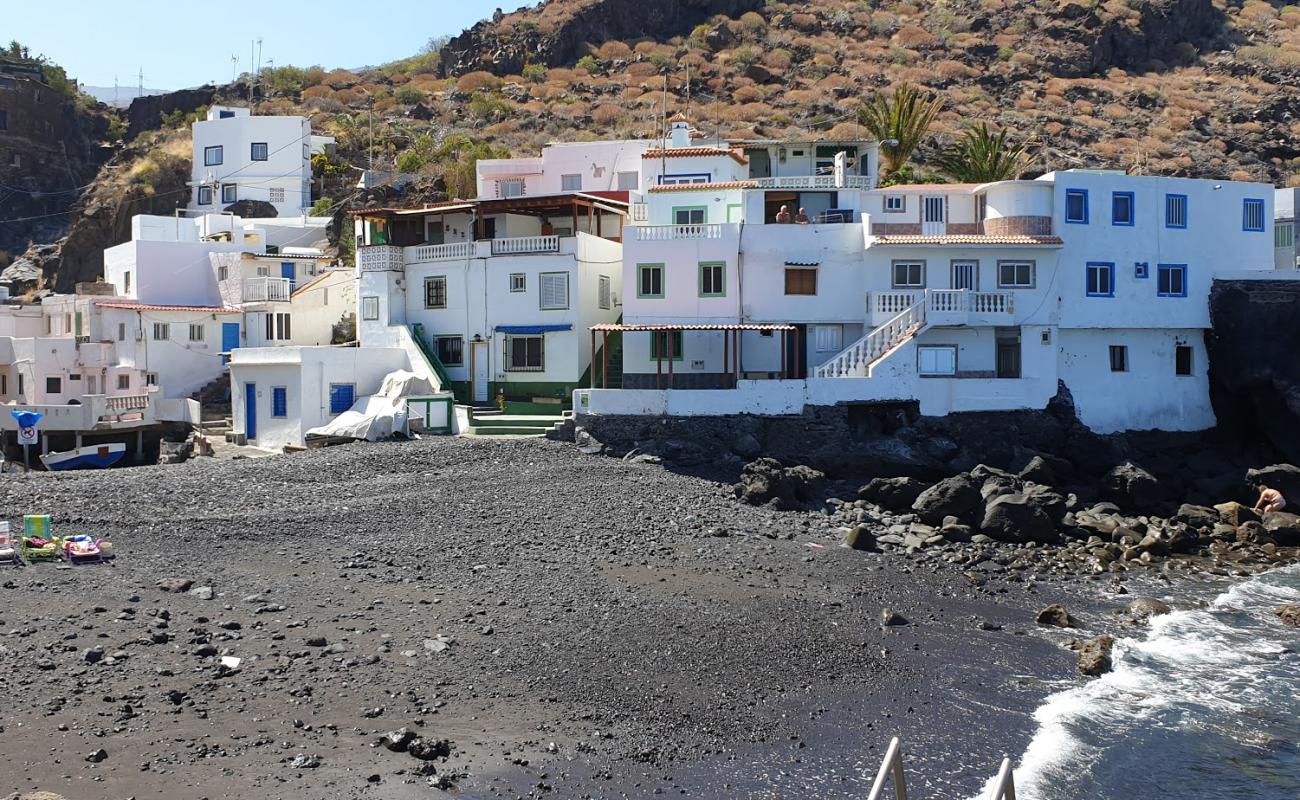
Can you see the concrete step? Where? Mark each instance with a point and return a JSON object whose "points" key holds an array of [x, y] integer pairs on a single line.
{"points": [[535, 433], [514, 421]]}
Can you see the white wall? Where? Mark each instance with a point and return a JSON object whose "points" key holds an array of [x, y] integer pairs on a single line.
{"points": [[166, 273], [183, 366], [597, 162], [286, 169]]}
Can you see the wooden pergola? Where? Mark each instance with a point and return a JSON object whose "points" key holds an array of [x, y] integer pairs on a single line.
{"points": [[730, 346], [552, 206]]}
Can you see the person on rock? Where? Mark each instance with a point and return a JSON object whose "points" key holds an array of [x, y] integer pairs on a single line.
{"points": [[1270, 500], [783, 216]]}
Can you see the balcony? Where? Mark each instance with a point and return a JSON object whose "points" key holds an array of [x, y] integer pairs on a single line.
{"points": [[422, 253], [523, 245], [266, 290], [96, 355], [667, 233], [945, 306], [813, 182], [93, 412]]}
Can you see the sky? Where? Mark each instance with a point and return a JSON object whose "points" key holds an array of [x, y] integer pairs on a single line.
{"points": [[182, 43]]}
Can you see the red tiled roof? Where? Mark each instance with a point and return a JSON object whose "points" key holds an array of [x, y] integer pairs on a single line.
{"points": [[694, 152], [969, 239], [690, 187], [147, 307], [315, 281]]}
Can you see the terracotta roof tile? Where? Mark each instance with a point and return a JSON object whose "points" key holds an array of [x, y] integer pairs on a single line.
{"points": [[147, 307], [691, 187], [970, 239], [694, 152]]}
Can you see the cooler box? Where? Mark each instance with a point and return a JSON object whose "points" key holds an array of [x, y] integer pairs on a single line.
{"points": [[36, 525]]}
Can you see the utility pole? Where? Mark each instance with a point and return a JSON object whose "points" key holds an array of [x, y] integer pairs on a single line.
{"points": [[234, 69], [251, 50], [140, 88]]}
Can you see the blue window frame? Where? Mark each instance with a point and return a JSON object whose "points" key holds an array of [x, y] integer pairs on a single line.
{"points": [[1076, 206], [1101, 279], [205, 196], [1123, 209], [279, 402], [1252, 215], [213, 156], [258, 151], [1141, 270], [1171, 280], [1176, 211], [341, 397]]}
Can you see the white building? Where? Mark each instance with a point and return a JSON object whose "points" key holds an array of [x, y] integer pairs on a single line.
{"points": [[238, 156], [962, 297], [1286, 251]]}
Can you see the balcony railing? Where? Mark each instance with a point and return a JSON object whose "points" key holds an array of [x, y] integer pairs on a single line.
{"points": [[521, 245], [640, 212], [267, 290], [439, 252], [127, 402], [380, 258], [665, 233], [946, 306], [813, 182]]}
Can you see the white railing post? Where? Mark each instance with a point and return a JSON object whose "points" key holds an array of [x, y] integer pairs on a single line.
{"points": [[1004, 786]]}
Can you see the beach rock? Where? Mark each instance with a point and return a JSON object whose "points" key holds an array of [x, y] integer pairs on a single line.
{"points": [[1016, 518], [1094, 655], [97, 756], [429, 749], [1197, 516], [1141, 608], [890, 618], [859, 538], [1283, 527], [175, 585], [1289, 613], [1283, 477], [1130, 486], [894, 494], [1234, 513], [958, 496], [765, 481], [1251, 533], [1056, 616], [201, 592], [304, 761], [397, 741], [1039, 471]]}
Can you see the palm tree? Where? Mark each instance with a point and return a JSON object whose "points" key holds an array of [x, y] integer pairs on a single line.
{"points": [[899, 122], [980, 156]]}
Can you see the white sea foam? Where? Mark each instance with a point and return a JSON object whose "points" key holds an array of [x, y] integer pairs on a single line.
{"points": [[1192, 668]]}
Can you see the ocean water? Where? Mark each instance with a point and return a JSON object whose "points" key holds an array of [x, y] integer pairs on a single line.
{"points": [[1201, 704]]}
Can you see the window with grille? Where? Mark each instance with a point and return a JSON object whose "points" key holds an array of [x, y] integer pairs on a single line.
{"points": [[650, 280], [341, 397], [279, 401], [525, 354], [1118, 358], [604, 297], [1284, 235], [554, 290], [196, 333], [162, 331], [435, 292], [370, 307], [800, 280], [1252, 215], [518, 282], [1015, 274], [450, 350], [1175, 211], [909, 274]]}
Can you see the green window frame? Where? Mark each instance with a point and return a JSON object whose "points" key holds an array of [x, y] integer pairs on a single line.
{"points": [[738, 207], [641, 284], [656, 337], [713, 279], [704, 215]]}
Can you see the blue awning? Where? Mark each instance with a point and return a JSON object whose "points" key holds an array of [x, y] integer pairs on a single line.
{"points": [[532, 329]]}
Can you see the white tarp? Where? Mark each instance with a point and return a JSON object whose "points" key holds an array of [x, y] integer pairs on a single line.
{"points": [[379, 415]]}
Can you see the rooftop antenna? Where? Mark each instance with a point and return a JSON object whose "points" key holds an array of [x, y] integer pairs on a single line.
{"points": [[141, 86], [688, 91], [252, 45], [115, 100], [234, 69], [663, 150]]}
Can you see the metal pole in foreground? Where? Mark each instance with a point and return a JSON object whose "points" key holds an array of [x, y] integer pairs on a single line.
{"points": [[893, 762], [27, 460]]}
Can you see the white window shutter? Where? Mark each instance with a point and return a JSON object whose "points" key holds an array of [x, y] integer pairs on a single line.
{"points": [[555, 291]]}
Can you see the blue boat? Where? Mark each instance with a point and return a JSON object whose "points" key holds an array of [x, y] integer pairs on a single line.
{"points": [[92, 456]]}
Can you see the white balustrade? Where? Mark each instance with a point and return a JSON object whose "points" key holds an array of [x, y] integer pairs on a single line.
{"points": [[813, 182], [130, 402], [380, 258], [665, 233], [267, 290], [887, 304], [857, 358], [640, 212], [520, 245], [439, 252]]}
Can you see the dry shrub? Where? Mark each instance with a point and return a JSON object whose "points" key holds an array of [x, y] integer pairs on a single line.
{"points": [[1053, 128], [472, 82], [952, 70], [340, 79], [606, 114], [804, 22], [1238, 175], [315, 92], [912, 36], [832, 82], [748, 94], [562, 76], [385, 104], [612, 50], [778, 59], [845, 131], [348, 97], [642, 69]]}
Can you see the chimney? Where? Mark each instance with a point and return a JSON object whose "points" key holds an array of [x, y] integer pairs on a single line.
{"points": [[679, 131]]}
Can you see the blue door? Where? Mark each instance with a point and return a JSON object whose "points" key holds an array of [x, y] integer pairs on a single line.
{"points": [[229, 339], [250, 410], [286, 272]]}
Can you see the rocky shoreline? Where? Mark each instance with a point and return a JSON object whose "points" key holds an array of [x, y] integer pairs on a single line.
{"points": [[539, 622]]}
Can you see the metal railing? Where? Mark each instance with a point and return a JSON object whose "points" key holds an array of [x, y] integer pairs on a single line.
{"points": [[857, 358], [267, 290], [665, 233], [1002, 788], [520, 245], [439, 252]]}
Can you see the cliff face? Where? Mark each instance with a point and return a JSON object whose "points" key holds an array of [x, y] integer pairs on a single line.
{"points": [[145, 113], [1254, 372], [504, 47]]}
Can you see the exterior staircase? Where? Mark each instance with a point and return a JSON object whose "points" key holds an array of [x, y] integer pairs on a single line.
{"points": [[615, 344], [857, 360], [490, 421]]}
